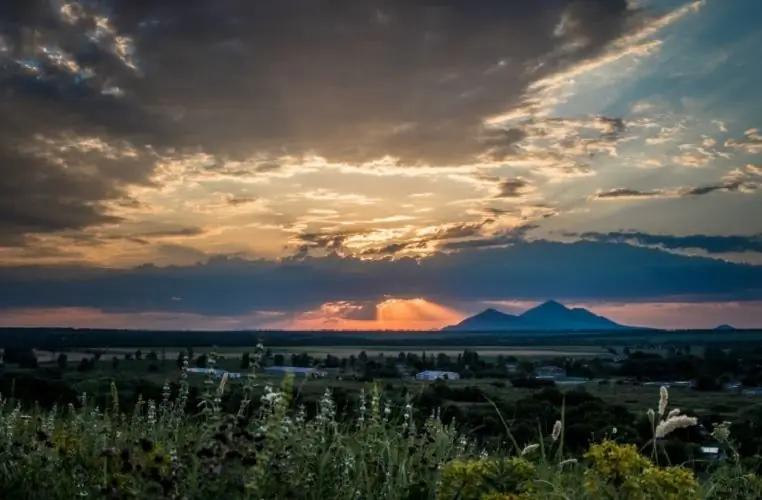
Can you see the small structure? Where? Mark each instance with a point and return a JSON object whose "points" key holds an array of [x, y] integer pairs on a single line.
{"points": [[214, 372], [437, 375], [550, 373], [297, 371]]}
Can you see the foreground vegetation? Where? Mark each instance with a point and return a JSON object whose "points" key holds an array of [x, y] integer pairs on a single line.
{"points": [[270, 446]]}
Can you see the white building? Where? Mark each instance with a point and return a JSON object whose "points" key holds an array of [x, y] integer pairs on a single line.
{"points": [[214, 372], [435, 375], [550, 373]]}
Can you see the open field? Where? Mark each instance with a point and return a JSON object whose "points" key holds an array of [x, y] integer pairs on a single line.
{"points": [[343, 351]]}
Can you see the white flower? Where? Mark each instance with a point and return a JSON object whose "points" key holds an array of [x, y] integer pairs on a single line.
{"points": [[671, 424], [663, 400], [557, 428], [529, 449]]}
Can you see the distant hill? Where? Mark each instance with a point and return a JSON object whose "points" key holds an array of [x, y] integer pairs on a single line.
{"points": [[548, 316], [726, 328]]}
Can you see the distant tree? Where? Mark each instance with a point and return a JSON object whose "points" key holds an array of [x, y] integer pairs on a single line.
{"points": [[138, 355], [115, 363], [245, 361], [706, 383], [202, 361], [152, 356], [85, 365], [62, 360], [279, 360], [19, 356], [181, 359], [128, 357]]}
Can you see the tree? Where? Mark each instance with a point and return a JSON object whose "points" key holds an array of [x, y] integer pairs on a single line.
{"points": [[62, 360], [279, 359], [85, 365], [138, 355], [115, 363], [245, 361], [202, 361], [181, 359]]}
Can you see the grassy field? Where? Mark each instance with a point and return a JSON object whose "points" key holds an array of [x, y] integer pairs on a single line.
{"points": [[160, 452]]}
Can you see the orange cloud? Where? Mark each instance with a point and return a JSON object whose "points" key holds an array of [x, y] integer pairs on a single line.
{"points": [[391, 314]]}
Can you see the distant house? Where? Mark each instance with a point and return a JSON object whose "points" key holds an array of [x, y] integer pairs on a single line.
{"points": [[549, 372], [436, 375], [216, 373], [713, 451], [295, 370]]}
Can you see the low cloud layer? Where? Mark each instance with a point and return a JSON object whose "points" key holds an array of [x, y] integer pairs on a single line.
{"points": [[523, 271], [713, 244]]}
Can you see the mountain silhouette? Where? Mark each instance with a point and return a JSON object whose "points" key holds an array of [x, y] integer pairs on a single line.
{"points": [[548, 316], [726, 328]]}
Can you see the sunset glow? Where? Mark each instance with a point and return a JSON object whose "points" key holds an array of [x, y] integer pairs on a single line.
{"points": [[393, 170]]}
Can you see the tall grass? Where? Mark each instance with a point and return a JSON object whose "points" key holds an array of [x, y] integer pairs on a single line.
{"points": [[159, 451]]}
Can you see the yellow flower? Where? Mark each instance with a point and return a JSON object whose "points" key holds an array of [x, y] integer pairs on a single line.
{"points": [[615, 462], [667, 483], [473, 479], [622, 470]]}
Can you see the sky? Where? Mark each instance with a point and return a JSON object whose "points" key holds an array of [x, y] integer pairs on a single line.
{"points": [[378, 164]]}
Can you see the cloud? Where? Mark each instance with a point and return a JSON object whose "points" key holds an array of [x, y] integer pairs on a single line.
{"points": [[713, 244], [99, 98], [524, 270], [737, 181], [626, 194], [513, 188], [751, 142]]}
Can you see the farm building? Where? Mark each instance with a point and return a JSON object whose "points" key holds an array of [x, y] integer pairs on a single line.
{"points": [[295, 370], [550, 372], [435, 375]]}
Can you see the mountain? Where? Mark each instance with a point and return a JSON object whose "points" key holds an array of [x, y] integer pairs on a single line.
{"points": [[487, 321], [726, 328], [548, 316]]}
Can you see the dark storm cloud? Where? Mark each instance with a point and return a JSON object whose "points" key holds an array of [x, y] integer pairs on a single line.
{"points": [[710, 243], [512, 188], [348, 80], [523, 271]]}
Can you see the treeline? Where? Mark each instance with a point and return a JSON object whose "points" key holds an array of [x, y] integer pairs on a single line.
{"points": [[60, 339]]}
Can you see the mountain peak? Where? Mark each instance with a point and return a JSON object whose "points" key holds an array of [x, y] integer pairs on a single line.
{"points": [[548, 316], [552, 304]]}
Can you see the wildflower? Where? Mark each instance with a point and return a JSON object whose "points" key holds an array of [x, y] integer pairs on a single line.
{"points": [[651, 416], [663, 400], [557, 428], [223, 382], [674, 413], [671, 424], [721, 432], [529, 449]]}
